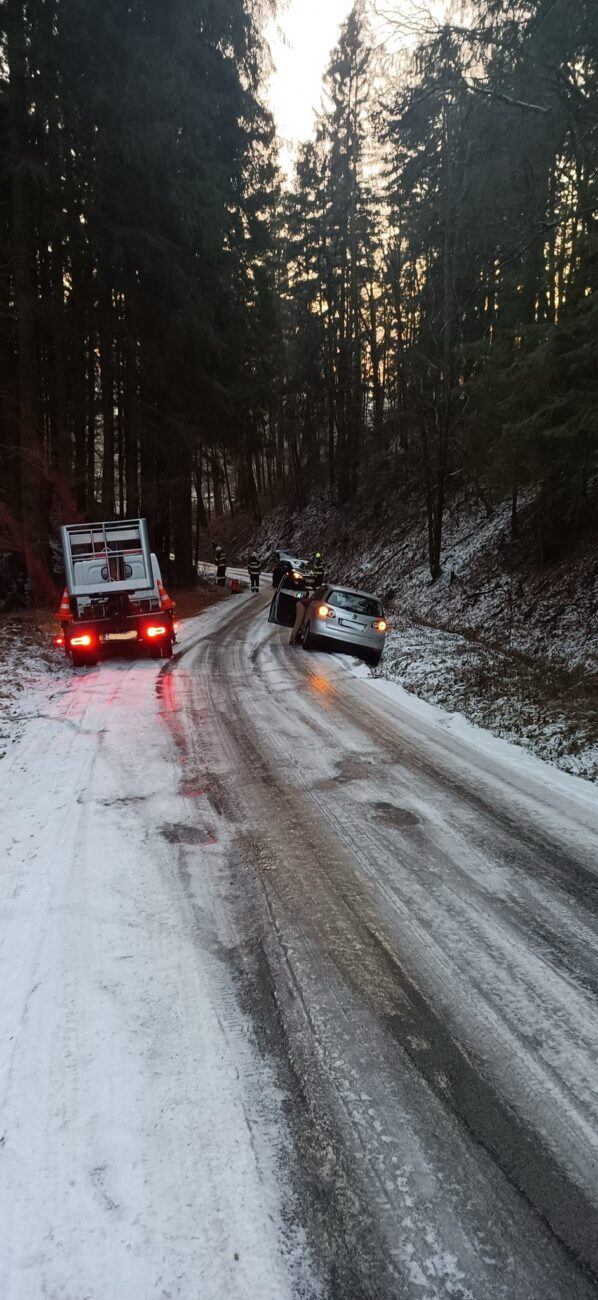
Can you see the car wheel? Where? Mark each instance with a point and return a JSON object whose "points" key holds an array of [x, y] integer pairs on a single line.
{"points": [[309, 641], [373, 658]]}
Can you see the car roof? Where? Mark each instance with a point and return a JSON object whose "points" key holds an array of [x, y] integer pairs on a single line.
{"points": [[352, 591]]}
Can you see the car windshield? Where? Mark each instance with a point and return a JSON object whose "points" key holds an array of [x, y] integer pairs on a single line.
{"points": [[354, 604]]}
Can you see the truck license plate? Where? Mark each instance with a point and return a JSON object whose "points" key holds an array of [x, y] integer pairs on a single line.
{"points": [[119, 636]]}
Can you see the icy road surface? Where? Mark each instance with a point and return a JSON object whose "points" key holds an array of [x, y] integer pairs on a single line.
{"points": [[299, 991], [142, 1148]]}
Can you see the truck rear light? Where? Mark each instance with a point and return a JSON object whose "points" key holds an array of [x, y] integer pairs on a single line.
{"points": [[58, 640], [155, 630], [86, 640]]}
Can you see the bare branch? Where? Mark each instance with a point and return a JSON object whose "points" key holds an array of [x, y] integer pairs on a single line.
{"points": [[477, 89]]}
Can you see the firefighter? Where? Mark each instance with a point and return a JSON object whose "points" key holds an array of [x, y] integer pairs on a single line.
{"points": [[221, 563], [254, 569], [318, 569]]}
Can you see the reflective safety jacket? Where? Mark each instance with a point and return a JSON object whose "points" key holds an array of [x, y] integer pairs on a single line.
{"points": [[254, 567]]}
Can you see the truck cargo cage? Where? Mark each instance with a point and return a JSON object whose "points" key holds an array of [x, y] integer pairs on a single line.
{"points": [[107, 558]]}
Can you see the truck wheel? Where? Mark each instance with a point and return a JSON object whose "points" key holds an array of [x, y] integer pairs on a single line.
{"points": [[82, 660], [167, 650]]}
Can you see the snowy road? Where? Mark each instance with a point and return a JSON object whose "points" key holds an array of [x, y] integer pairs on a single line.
{"points": [[141, 1143], [299, 991]]}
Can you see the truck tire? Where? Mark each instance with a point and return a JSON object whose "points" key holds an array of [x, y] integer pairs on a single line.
{"points": [[82, 660], [167, 650]]}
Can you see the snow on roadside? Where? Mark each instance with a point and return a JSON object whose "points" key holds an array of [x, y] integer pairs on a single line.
{"points": [[31, 669], [546, 713]]}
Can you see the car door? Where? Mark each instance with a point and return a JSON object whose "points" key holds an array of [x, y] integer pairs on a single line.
{"points": [[273, 612], [284, 601]]}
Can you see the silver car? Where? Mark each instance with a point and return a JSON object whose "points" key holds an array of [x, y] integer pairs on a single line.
{"points": [[342, 619]]}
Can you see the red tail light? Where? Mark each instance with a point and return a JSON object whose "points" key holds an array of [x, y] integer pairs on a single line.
{"points": [[155, 630], [58, 640], [86, 640]]}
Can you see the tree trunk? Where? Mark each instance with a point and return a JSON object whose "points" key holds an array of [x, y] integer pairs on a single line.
{"points": [[151, 506], [62, 442], [217, 486], [231, 505], [120, 433], [182, 518], [197, 478], [79, 371], [131, 425], [34, 527], [107, 381], [90, 474]]}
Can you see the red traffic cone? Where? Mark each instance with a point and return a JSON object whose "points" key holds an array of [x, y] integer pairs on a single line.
{"points": [[64, 613], [165, 600]]}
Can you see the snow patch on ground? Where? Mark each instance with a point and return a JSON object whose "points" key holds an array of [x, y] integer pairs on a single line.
{"points": [[31, 670], [547, 712]]}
